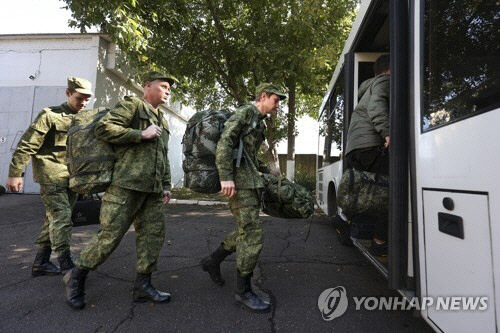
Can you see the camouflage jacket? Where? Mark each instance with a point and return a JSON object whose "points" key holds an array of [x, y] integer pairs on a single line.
{"points": [[141, 165], [45, 143], [246, 119]]}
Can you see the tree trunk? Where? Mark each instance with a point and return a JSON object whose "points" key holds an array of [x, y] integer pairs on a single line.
{"points": [[269, 147], [290, 156]]}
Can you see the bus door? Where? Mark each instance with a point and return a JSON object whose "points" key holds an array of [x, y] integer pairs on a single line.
{"points": [[457, 160]]}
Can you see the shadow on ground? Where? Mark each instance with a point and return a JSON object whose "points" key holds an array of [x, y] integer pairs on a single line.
{"points": [[300, 259]]}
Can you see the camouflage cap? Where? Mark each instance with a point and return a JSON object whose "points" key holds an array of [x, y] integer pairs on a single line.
{"points": [[79, 85], [269, 88], [151, 76]]}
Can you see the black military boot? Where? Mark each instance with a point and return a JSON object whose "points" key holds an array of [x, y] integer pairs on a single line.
{"points": [[211, 264], [75, 287], [65, 261], [245, 296], [144, 290], [42, 264]]}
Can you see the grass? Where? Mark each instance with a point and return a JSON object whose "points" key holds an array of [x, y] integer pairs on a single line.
{"points": [[184, 193]]}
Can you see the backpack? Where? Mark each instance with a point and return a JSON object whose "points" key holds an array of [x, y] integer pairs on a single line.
{"points": [[203, 131], [90, 160], [362, 192], [285, 199]]}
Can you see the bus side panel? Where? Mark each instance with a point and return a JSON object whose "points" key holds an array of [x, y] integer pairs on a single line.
{"points": [[328, 177]]}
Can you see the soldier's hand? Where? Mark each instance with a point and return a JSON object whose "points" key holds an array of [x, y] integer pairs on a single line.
{"points": [[14, 184], [166, 197], [151, 132], [276, 173], [227, 188], [387, 142]]}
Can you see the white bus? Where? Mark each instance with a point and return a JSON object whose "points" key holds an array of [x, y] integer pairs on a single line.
{"points": [[444, 212]]}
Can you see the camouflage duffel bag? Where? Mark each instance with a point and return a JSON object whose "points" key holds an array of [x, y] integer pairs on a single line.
{"points": [[90, 160], [362, 192], [199, 144], [285, 199]]}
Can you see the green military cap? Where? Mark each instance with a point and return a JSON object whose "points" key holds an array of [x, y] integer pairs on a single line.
{"points": [[270, 89], [79, 85], [151, 76]]}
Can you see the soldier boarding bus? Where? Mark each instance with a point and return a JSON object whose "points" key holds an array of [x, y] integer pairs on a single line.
{"points": [[444, 161]]}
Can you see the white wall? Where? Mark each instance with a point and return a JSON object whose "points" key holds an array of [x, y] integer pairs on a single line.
{"points": [[50, 60]]}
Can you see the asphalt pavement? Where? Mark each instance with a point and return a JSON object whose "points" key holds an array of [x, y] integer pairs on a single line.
{"points": [[300, 259]]}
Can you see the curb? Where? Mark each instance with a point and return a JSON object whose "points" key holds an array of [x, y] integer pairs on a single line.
{"points": [[196, 202]]}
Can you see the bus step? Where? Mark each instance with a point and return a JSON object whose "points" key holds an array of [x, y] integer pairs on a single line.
{"points": [[362, 245]]}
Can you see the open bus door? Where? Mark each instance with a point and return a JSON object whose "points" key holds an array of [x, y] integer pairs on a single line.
{"points": [[390, 32]]}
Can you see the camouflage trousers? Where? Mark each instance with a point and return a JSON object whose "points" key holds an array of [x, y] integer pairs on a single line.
{"points": [[248, 238], [56, 230], [120, 208]]}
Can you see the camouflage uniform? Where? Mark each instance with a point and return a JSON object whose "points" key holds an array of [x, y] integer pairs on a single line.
{"points": [[45, 143], [247, 239], [141, 174]]}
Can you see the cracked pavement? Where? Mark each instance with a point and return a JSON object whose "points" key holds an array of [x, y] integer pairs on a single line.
{"points": [[300, 259]]}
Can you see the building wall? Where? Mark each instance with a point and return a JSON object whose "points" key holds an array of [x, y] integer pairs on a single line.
{"points": [[33, 75]]}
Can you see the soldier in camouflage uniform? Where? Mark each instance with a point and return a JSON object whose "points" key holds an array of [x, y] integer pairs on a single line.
{"points": [[45, 143], [139, 189], [242, 185]]}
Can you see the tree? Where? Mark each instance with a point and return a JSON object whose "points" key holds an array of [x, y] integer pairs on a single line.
{"points": [[222, 49]]}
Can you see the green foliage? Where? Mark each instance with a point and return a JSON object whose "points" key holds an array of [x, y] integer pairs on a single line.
{"points": [[222, 49], [306, 180]]}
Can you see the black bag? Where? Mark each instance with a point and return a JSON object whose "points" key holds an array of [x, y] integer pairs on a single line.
{"points": [[86, 210]]}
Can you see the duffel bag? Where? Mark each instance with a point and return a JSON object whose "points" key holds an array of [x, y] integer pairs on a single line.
{"points": [[362, 192], [285, 199]]}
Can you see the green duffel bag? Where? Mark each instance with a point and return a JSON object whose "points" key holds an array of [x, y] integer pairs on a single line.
{"points": [[285, 199], [90, 160], [362, 192]]}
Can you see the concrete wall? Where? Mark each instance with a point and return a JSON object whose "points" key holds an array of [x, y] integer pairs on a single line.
{"points": [[33, 75]]}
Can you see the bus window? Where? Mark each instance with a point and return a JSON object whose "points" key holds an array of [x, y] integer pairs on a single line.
{"points": [[331, 122], [461, 60]]}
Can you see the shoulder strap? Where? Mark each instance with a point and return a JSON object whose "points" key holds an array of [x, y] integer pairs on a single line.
{"points": [[247, 129]]}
